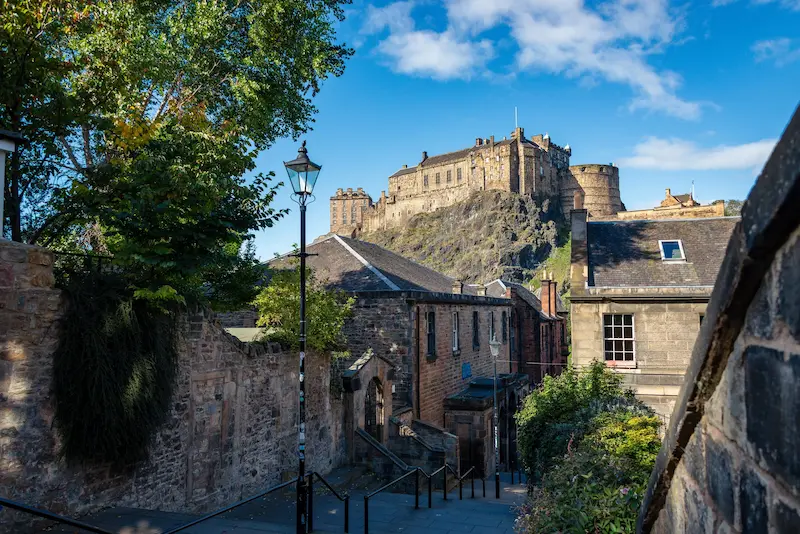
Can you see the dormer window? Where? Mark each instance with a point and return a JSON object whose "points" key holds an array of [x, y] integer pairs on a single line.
{"points": [[672, 250]]}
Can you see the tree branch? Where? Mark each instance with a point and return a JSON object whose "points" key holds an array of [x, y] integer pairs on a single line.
{"points": [[87, 147], [69, 151]]}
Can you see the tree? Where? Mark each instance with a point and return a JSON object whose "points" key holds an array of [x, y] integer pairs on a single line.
{"points": [[278, 308], [733, 207], [145, 116]]}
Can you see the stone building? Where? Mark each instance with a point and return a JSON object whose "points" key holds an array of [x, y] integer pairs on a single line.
{"points": [[639, 295], [676, 207], [347, 210], [536, 331], [436, 330], [533, 167], [730, 460]]}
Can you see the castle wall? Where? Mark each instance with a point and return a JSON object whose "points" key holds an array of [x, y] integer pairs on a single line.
{"points": [[678, 212], [348, 209], [599, 185]]}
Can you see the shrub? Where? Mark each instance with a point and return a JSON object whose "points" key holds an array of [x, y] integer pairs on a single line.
{"points": [[591, 447]]}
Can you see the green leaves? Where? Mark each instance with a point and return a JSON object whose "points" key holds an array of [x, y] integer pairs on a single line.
{"points": [[326, 310], [592, 447]]}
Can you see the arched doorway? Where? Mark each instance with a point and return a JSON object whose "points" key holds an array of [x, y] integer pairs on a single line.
{"points": [[373, 412]]}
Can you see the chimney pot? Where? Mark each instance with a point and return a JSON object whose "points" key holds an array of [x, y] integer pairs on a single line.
{"points": [[577, 200]]}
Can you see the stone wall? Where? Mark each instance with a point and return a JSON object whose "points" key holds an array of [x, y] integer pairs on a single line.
{"points": [[599, 185], [664, 335], [711, 210], [231, 431], [730, 461]]}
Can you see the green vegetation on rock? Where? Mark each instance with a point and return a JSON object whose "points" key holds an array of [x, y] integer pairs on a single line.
{"points": [[490, 235]]}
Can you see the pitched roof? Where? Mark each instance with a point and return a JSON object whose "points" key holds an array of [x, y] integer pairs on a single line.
{"points": [[353, 265], [683, 198], [627, 253], [403, 172], [497, 288]]}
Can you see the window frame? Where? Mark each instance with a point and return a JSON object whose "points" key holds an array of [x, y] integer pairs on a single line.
{"points": [[449, 176], [476, 330], [456, 341], [503, 323], [672, 260], [430, 332], [614, 362], [437, 178], [424, 180], [492, 331], [458, 175]]}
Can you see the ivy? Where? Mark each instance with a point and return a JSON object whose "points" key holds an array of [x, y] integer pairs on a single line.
{"points": [[113, 371]]}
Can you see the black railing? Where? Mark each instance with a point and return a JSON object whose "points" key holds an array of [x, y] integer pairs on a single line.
{"points": [[44, 514], [417, 471], [231, 507], [345, 499]]}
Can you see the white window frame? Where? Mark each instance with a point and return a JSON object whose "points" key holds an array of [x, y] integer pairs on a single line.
{"points": [[455, 332], [618, 363], [671, 260]]}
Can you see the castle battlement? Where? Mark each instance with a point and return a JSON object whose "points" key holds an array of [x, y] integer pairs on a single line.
{"points": [[533, 167]]}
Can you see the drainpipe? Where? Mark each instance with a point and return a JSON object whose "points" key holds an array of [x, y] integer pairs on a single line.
{"points": [[416, 351]]}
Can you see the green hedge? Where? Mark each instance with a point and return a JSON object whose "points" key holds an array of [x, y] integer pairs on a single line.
{"points": [[590, 448]]}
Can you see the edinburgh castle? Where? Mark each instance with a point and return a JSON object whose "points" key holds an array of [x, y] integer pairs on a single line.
{"points": [[532, 167]]}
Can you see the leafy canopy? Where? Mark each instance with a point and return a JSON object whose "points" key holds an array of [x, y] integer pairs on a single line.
{"points": [[144, 118], [278, 307]]}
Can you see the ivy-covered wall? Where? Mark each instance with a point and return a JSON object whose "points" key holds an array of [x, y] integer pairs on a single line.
{"points": [[230, 431]]}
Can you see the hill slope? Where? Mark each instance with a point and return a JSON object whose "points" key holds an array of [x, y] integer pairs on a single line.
{"points": [[492, 234]]}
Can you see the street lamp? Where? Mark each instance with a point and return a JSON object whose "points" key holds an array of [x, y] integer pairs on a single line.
{"points": [[303, 176], [8, 144], [494, 347]]}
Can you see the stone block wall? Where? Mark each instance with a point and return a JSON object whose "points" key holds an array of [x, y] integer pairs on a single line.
{"points": [[730, 461], [599, 185], [664, 336], [231, 431]]}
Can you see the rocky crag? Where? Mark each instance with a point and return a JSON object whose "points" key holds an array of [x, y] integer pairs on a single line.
{"points": [[492, 234]]}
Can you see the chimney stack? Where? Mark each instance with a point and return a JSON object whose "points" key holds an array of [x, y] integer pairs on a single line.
{"points": [[481, 291], [424, 156], [553, 296], [577, 200], [405, 166], [458, 287], [478, 141], [545, 294], [579, 261], [668, 193], [491, 140]]}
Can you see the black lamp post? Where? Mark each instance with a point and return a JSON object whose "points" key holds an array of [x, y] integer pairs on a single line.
{"points": [[494, 347], [302, 175]]}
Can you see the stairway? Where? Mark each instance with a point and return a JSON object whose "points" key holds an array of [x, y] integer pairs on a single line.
{"points": [[388, 512]]}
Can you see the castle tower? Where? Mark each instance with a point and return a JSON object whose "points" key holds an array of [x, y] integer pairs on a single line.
{"points": [[347, 210], [599, 185]]}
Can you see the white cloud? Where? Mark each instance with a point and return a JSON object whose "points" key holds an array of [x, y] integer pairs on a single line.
{"points": [[438, 55], [441, 56], [681, 155], [782, 51], [609, 42], [788, 4]]}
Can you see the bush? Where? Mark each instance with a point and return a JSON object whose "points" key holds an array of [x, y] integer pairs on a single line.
{"points": [[591, 447]]}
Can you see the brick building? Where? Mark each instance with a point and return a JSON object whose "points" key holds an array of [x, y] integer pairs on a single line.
{"points": [[536, 331], [639, 295], [435, 329], [529, 166]]}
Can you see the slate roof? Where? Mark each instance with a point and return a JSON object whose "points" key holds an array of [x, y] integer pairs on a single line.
{"points": [[627, 253], [339, 262], [497, 288], [403, 172], [683, 198]]}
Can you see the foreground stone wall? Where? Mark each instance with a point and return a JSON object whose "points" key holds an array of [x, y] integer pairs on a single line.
{"points": [[731, 459], [231, 431]]}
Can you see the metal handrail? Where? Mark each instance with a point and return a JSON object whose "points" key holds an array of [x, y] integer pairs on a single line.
{"points": [[416, 471], [345, 499], [53, 517], [231, 507]]}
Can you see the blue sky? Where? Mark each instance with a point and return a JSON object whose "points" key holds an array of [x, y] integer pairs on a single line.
{"points": [[671, 92]]}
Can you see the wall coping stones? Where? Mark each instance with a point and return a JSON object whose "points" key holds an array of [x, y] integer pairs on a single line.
{"points": [[433, 297], [769, 217]]}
